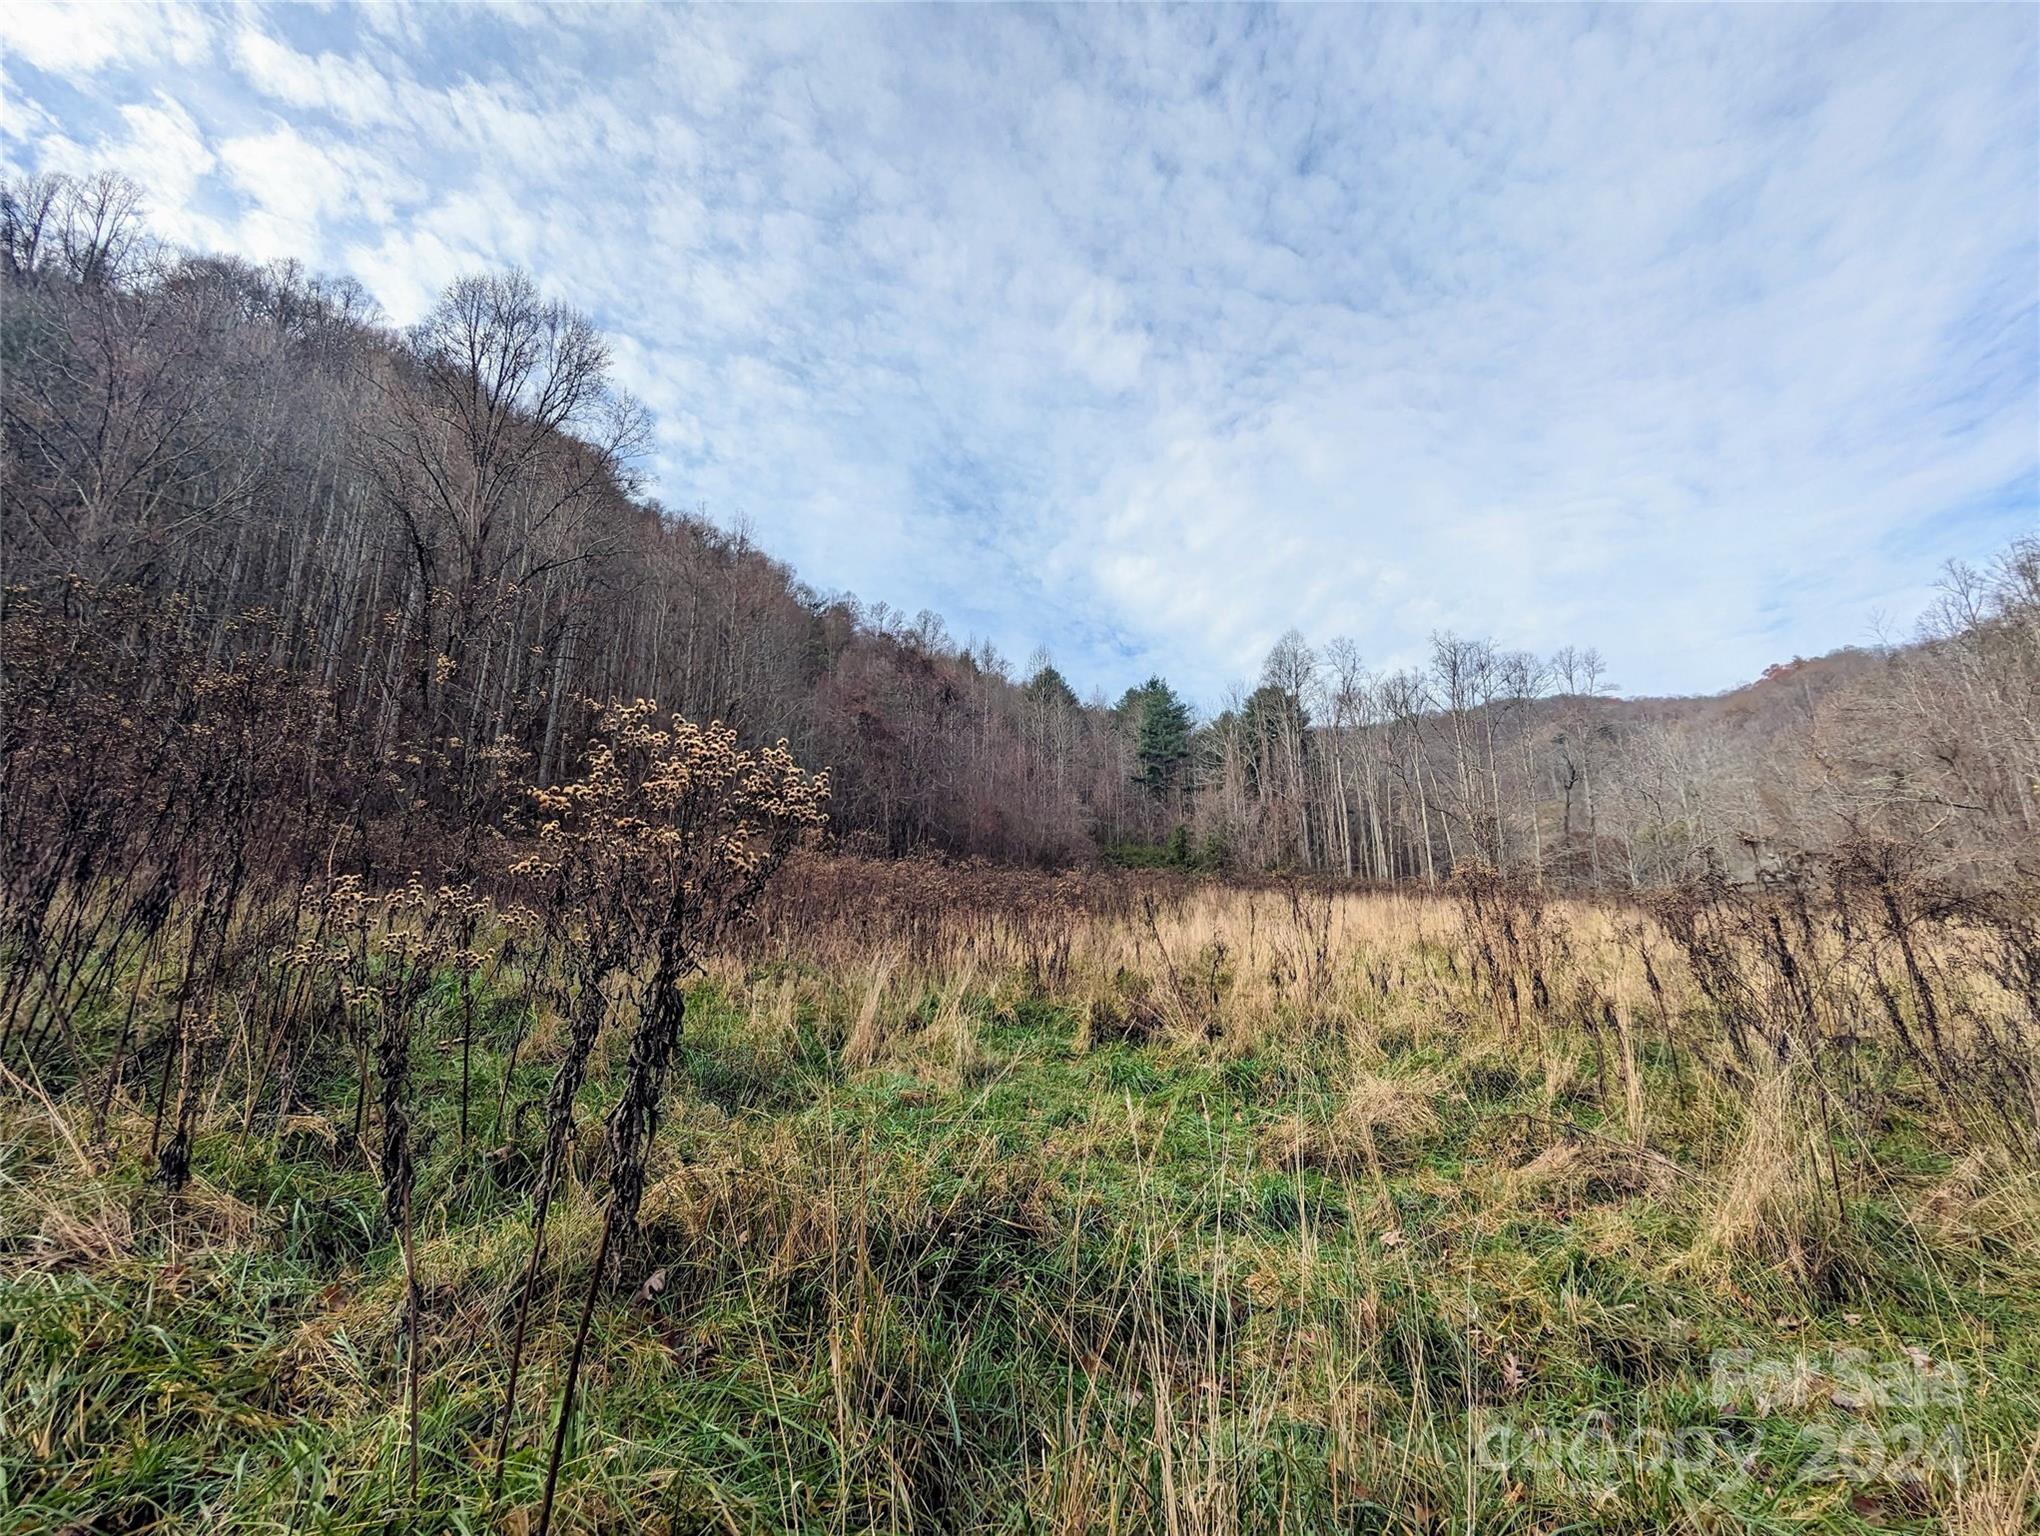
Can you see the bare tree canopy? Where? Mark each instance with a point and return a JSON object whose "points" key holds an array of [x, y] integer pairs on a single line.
{"points": [[447, 527]]}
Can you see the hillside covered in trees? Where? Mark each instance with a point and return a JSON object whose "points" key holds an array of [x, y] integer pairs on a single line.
{"points": [[442, 532]]}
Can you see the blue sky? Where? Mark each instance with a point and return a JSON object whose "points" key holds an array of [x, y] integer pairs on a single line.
{"points": [[1699, 335]]}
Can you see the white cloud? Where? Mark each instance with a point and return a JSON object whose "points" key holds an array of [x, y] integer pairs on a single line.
{"points": [[354, 91], [80, 40], [406, 272], [1692, 333], [299, 186]]}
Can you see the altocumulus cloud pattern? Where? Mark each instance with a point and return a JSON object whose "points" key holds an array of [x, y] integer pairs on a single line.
{"points": [[1700, 335]]}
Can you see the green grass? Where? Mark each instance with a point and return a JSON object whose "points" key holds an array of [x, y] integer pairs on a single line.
{"points": [[1066, 1289]]}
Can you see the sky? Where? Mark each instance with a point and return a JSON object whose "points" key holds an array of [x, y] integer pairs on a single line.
{"points": [[1700, 335]]}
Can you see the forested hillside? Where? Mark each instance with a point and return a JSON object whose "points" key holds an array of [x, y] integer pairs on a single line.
{"points": [[440, 532]]}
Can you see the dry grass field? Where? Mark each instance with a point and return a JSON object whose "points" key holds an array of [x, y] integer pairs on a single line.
{"points": [[990, 1201]]}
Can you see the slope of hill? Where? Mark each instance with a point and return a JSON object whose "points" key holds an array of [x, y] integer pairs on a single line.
{"points": [[444, 531]]}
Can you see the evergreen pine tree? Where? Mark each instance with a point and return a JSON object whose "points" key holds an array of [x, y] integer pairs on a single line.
{"points": [[1050, 690], [1161, 736]]}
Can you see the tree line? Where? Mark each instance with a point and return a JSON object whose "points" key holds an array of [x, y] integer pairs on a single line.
{"points": [[444, 529], [1509, 761]]}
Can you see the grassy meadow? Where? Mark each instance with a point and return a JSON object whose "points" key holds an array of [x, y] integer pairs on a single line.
{"points": [[985, 1201]]}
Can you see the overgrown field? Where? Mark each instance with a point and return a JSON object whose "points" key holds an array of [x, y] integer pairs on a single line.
{"points": [[992, 1202]]}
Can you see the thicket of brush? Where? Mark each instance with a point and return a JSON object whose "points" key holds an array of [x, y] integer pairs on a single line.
{"points": [[398, 1141]]}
